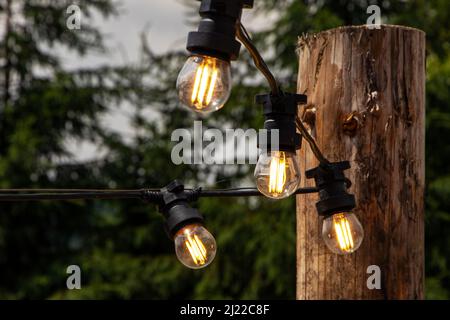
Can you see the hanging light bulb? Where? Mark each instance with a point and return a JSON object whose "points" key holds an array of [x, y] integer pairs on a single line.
{"points": [[277, 171], [342, 232], [195, 247], [204, 83], [277, 174], [341, 229]]}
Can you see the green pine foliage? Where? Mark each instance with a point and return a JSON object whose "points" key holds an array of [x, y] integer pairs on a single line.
{"points": [[121, 246]]}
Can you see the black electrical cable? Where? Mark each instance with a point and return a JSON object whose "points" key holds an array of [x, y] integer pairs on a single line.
{"points": [[241, 192], [31, 196], [243, 36], [149, 195], [312, 143], [46, 190]]}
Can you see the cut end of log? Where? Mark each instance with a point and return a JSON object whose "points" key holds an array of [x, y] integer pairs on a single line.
{"points": [[306, 38]]}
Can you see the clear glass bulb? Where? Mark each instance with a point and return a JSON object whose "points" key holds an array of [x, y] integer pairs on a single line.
{"points": [[204, 83], [195, 247], [342, 232], [277, 174]]}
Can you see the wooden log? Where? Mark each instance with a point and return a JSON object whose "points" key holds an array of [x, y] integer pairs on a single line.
{"points": [[366, 104]]}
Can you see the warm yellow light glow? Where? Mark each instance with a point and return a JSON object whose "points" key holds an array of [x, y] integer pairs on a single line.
{"points": [[198, 76], [204, 83], [196, 249], [343, 232], [277, 169], [212, 85]]}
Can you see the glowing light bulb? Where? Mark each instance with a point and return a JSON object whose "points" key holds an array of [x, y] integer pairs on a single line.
{"points": [[195, 247], [277, 174], [204, 83], [342, 232]]}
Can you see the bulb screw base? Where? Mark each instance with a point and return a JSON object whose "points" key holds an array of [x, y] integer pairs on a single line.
{"points": [[332, 184], [175, 208], [280, 112]]}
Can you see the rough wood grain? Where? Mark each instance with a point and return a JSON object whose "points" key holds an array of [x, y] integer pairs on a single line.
{"points": [[366, 94]]}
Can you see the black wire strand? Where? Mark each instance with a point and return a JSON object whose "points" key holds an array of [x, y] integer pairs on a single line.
{"points": [[147, 195], [86, 195], [45, 190], [312, 143], [245, 192], [243, 36]]}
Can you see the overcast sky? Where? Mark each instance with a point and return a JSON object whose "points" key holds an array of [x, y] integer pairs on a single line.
{"points": [[166, 24], [164, 20]]}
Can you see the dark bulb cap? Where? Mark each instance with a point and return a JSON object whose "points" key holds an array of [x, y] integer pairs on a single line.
{"points": [[176, 209], [216, 34], [280, 112], [332, 185]]}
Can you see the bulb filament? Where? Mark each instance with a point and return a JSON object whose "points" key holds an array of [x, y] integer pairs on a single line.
{"points": [[204, 83], [343, 232], [277, 178], [196, 249]]}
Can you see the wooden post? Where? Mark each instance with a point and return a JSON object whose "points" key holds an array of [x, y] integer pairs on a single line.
{"points": [[366, 104]]}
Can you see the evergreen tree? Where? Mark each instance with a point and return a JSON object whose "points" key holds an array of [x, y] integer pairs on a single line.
{"points": [[41, 107], [120, 245]]}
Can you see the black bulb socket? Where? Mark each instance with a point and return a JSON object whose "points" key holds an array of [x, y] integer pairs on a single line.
{"points": [[280, 112], [176, 209], [216, 34], [332, 184]]}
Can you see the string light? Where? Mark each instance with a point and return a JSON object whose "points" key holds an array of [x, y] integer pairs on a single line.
{"points": [[277, 173], [204, 85]]}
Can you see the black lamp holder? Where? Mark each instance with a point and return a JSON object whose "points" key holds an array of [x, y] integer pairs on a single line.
{"points": [[280, 112], [174, 205], [216, 34], [332, 185]]}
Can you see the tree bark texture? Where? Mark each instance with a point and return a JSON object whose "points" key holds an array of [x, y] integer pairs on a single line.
{"points": [[366, 104]]}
